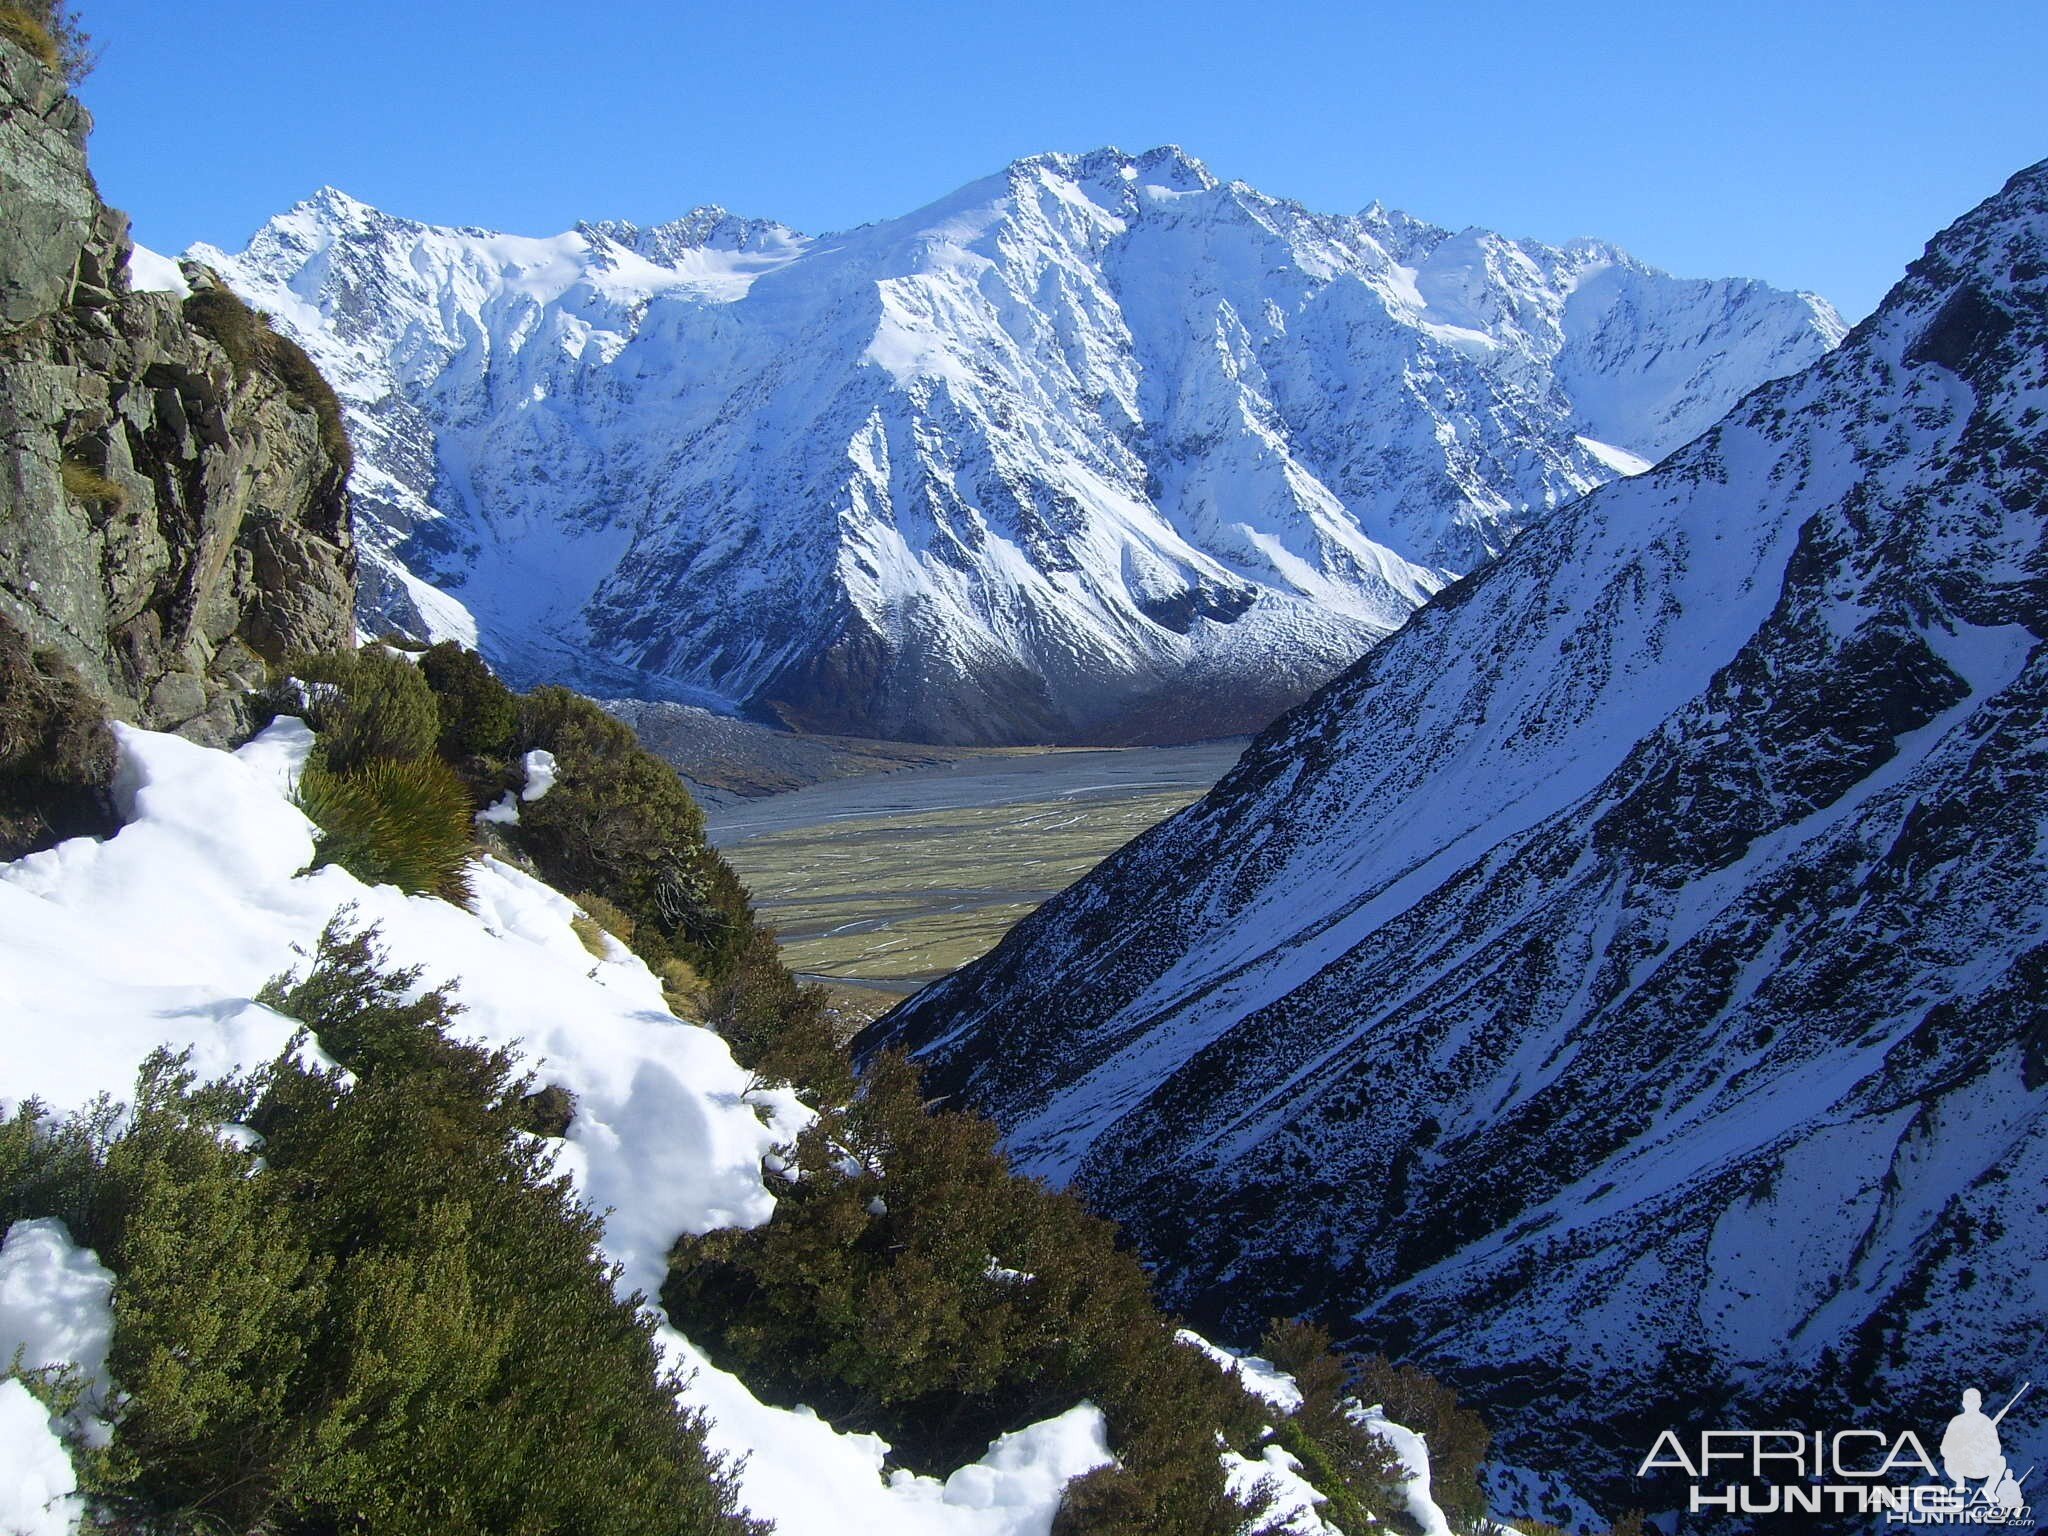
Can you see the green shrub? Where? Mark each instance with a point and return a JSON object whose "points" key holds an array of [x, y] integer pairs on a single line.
{"points": [[1357, 1469], [1109, 1501], [620, 828], [50, 1167], [478, 713], [547, 1111], [1458, 1438], [362, 704], [909, 1284], [398, 1322], [405, 823], [778, 1026], [56, 751], [216, 1299], [619, 823]]}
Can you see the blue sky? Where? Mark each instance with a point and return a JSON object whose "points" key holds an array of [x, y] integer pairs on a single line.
{"points": [[1812, 143]]}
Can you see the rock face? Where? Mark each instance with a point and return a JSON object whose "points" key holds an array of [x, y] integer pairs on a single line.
{"points": [[1626, 991], [170, 519], [1098, 448]]}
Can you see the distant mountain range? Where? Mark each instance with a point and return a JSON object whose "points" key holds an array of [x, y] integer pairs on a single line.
{"points": [[1099, 448], [1625, 991]]}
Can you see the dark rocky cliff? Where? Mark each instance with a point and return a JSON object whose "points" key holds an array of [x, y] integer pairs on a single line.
{"points": [[173, 510]]}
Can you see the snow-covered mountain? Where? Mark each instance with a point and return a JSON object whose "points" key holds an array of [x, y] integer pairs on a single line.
{"points": [[1626, 990], [1096, 448]]}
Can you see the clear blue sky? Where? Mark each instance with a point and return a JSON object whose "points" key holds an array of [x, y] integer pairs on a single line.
{"points": [[1813, 143]]}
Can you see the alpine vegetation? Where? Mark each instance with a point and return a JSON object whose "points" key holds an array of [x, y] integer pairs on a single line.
{"points": [[1622, 991], [1098, 448], [384, 1185]]}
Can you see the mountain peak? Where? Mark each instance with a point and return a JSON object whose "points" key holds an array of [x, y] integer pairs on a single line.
{"points": [[1166, 165], [333, 203]]}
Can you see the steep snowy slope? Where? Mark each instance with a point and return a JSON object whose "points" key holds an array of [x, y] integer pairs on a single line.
{"points": [[1626, 990], [1095, 448]]}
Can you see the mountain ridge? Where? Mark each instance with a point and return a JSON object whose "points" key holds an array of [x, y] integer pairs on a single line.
{"points": [[1099, 447], [1626, 979]]}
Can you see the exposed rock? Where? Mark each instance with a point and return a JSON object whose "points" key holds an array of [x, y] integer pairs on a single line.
{"points": [[170, 521]]}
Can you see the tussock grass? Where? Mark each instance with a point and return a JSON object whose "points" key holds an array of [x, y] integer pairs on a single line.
{"points": [[24, 30], [392, 822], [86, 483]]}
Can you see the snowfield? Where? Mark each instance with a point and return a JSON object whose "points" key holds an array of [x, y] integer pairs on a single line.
{"points": [[163, 934]]}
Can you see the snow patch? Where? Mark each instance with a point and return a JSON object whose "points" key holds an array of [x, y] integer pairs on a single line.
{"points": [[149, 272], [38, 1488]]}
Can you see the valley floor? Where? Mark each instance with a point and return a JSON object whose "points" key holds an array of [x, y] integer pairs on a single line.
{"points": [[880, 885]]}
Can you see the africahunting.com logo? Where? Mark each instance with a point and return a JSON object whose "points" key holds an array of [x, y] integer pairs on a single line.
{"points": [[1854, 1472]]}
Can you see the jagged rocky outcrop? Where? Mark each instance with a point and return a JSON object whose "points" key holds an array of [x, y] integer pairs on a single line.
{"points": [[1626, 990], [172, 516], [1099, 448]]}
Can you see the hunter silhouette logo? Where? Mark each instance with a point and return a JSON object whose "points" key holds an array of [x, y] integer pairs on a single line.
{"points": [[1970, 1452], [1855, 1470]]}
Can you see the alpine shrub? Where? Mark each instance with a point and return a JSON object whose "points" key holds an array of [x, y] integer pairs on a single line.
{"points": [[397, 1321], [50, 1167], [619, 823], [777, 1026], [478, 713], [1458, 1438], [362, 704], [620, 828], [56, 751], [389, 822], [910, 1284], [1357, 1469]]}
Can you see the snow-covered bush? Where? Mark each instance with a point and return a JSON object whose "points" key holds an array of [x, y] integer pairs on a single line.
{"points": [[374, 1307], [910, 1284]]}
